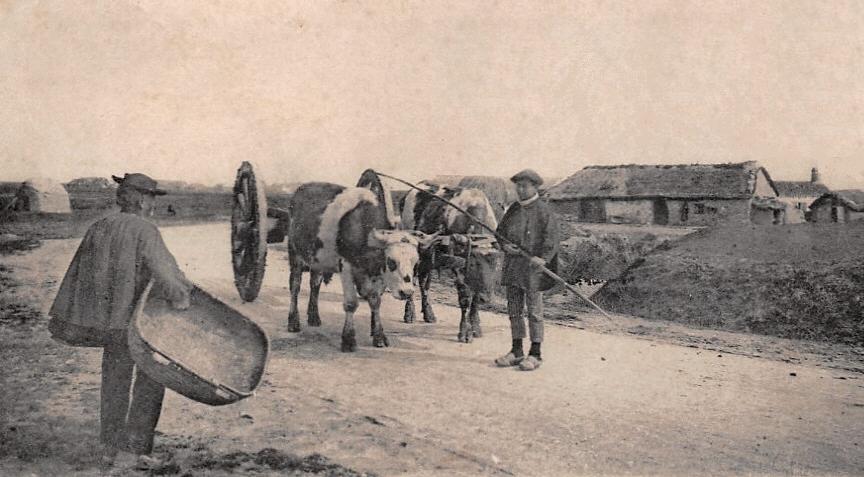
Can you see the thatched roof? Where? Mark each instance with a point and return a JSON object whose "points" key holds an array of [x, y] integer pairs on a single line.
{"points": [[852, 199], [685, 181], [500, 191], [800, 188], [90, 184], [549, 182], [446, 180], [10, 188]]}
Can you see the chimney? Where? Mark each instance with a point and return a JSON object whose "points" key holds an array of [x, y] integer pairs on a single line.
{"points": [[815, 177]]}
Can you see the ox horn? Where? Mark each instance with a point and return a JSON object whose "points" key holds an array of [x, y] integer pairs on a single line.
{"points": [[425, 240]]}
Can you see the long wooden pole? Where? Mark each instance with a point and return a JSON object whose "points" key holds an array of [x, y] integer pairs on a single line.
{"points": [[504, 240]]}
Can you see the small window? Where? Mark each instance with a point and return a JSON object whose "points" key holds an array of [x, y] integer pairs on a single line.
{"points": [[698, 208]]}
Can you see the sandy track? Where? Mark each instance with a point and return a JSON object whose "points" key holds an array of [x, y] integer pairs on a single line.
{"points": [[428, 405]]}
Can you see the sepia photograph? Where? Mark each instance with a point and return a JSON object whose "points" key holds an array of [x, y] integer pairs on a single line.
{"points": [[348, 238]]}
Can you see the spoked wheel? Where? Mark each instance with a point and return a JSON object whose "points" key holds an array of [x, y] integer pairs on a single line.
{"points": [[248, 232], [370, 180]]}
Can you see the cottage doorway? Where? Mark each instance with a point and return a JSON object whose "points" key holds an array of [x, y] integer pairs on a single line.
{"points": [[661, 212], [779, 217]]}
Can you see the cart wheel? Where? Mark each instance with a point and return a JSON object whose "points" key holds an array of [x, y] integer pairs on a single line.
{"points": [[248, 236]]}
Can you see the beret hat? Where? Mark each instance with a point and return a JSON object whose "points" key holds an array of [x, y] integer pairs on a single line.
{"points": [[528, 175]]}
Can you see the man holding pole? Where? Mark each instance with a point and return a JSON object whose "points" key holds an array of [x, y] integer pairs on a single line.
{"points": [[531, 227]]}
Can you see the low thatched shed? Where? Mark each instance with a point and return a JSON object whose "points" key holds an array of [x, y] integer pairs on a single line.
{"points": [[767, 211], [838, 206], [40, 195]]}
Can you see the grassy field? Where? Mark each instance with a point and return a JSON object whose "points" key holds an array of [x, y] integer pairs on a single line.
{"points": [[87, 207]]}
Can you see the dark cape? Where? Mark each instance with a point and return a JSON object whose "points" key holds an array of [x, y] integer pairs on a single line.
{"points": [[116, 259]]}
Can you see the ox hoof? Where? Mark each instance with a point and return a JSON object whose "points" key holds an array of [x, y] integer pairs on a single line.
{"points": [[380, 341], [429, 317], [314, 320], [349, 346], [409, 318], [293, 322], [477, 332], [466, 337]]}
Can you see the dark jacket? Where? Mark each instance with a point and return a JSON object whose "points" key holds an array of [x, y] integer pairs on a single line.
{"points": [[534, 228], [117, 257]]}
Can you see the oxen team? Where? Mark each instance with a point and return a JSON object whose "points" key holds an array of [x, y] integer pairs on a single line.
{"points": [[333, 229]]}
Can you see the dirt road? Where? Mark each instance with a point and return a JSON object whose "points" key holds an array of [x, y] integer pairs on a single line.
{"points": [[428, 405]]}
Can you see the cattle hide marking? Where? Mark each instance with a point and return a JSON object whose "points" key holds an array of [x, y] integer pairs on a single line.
{"points": [[409, 207], [327, 257]]}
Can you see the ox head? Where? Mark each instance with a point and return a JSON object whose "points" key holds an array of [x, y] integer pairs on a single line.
{"points": [[400, 257], [483, 267]]}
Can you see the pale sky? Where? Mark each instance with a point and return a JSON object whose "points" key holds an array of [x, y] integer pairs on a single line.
{"points": [[322, 90]]}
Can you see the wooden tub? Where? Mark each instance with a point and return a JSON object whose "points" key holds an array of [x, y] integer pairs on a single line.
{"points": [[210, 353]]}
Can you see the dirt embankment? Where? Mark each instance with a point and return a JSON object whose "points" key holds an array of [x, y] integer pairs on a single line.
{"points": [[796, 281], [603, 252]]}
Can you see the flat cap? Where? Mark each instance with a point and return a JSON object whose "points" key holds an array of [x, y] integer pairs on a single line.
{"points": [[140, 182], [527, 175]]}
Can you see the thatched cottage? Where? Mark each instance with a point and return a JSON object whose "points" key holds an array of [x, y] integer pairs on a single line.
{"points": [[36, 195], [693, 194], [838, 206], [798, 195]]}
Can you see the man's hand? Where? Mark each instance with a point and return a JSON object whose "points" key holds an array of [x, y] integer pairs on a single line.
{"points": [[538, 262], [511, 249]]}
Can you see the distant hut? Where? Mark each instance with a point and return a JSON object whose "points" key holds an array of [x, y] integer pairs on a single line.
{"points": [[798, 195], [41, 195], [838, 206], [282, 187]]}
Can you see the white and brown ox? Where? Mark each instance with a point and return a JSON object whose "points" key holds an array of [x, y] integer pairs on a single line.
{"points": [[473, 259], [333, 229]]}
